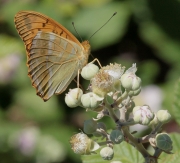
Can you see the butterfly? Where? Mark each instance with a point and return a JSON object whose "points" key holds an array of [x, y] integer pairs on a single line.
{"points": [[54, 55]]}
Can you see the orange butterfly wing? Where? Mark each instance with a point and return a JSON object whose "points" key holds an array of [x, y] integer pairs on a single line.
{"points": [[54, 54], [28, 23]]}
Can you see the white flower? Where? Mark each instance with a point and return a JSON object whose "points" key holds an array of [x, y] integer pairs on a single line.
{"points": [[82, 144]]}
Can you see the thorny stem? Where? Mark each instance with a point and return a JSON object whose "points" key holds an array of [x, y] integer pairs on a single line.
{"points": [[130, 138], [120, 99], [157, 152], [106, 135], [146, 138], [128, 123], [157, 128], [134, 142], [103, 133]]}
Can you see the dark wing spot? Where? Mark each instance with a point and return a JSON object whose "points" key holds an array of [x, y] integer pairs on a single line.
{"points": [[61, 33], [54, 31]]}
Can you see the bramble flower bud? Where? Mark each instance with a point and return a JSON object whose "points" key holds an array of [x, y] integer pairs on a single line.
{"points": [[90, 126], [143, 114], [82, 144], [73, 97], [89, 71], [102, 83], [154, 122], [116, 136], [90, 100], [163, 116], [134, 93], [129, 80], [107, 153], [164, 142]]}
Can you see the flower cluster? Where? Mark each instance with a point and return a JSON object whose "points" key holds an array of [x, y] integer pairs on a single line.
{"points": [[110, 93]]}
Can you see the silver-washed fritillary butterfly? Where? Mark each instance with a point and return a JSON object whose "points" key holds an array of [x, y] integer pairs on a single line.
{"points": [[54, 55]]}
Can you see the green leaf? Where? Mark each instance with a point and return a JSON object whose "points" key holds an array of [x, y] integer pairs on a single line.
{"points": [[166, 48], [123, 152], [89, 20], [172, 158], [176, 107], [34, 108], [9, 45]]}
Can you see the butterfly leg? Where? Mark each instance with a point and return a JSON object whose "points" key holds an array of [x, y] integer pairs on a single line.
{"points": [[96, 60], [78, 85]]}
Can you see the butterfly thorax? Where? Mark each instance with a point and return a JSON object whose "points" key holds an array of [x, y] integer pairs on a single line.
{"points": [[87, 47], [87, 50]]}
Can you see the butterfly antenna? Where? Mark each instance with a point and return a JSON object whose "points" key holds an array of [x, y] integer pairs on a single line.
{"points": [[92, 56], [76, 31], [103, 25]]}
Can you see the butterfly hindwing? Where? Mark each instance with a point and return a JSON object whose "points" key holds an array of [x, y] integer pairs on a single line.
{"points": [[53, 63]]}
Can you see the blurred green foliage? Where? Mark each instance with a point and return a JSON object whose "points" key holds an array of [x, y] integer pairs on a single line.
{"points": [[145, 32]]}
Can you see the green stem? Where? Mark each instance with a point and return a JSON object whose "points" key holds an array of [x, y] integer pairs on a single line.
{"points": [[157, 152], [120, 99], [131, 139], [157, 128], [135, 142], [128, 123]]}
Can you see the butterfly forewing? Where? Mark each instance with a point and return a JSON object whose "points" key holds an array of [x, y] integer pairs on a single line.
{"points": [[54, 54], [28, 23]]}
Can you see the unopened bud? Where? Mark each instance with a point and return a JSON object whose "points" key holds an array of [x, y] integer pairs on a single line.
{"points": [[130, 81], [143, 114], [154, 122], [90, 100], [73, 97], [164, 142], [135, 92], [116, 136], [89, 71], [107, 153], [163, 116]]}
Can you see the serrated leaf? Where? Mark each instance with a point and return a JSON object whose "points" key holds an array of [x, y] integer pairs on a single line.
{"points": [[123, 152], [176, 107], [128, 154]]}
